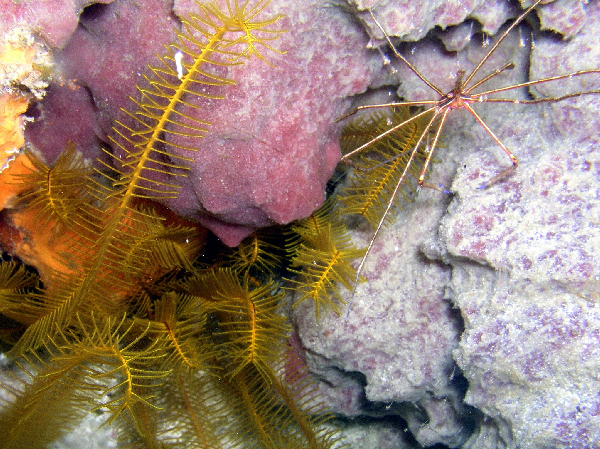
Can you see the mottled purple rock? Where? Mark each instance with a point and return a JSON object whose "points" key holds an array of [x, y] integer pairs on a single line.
{"points": [[399, 335], [522, 254], [374, 434], [566, 17], [532, 326], [492, 14], [411, 20]]}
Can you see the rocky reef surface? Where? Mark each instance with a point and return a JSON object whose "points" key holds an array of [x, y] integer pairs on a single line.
{"points": [[495, 286], [479, 324]]}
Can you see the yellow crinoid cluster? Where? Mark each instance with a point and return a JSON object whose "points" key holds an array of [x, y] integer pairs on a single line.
{"points": [[123, 317], [124, 314]]}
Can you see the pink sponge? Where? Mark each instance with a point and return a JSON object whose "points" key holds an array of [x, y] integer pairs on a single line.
{"points": [[273, 142]]}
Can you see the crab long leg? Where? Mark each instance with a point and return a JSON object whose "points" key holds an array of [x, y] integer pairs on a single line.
{"points": [[499, 41], [385, 105], [389, 131], [399, 56], [405, 172], [513, 158], [543, 100], [433, 145], [508, 66], [535, 82]]}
